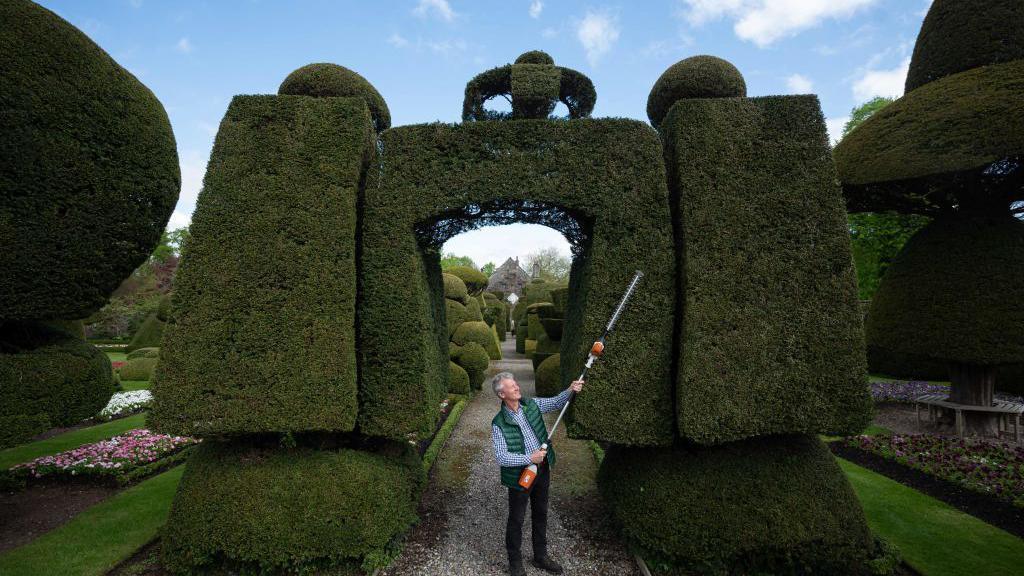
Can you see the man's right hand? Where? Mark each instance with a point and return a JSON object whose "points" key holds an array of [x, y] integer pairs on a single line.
{"points": [[538, 456]]}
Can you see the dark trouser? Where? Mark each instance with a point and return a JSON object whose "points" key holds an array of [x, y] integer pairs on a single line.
{"points": [[538, 499]]}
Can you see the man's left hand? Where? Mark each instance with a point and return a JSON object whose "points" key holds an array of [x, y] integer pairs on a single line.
{"points": [[576, 386]]}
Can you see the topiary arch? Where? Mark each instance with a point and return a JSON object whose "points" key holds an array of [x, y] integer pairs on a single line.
{"points": [[330, 232]]}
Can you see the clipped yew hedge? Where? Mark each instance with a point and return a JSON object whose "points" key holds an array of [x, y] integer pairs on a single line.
{"points": [[252, 509], [770, 505], [458, 379], [950, 293], [480, 333], [548, 377], [48, 378], [88, 168], [592, 180], [957, 36], [474, 279], [149, 334], [455, 288], [474, 360], [771, 336], [275, 228]]}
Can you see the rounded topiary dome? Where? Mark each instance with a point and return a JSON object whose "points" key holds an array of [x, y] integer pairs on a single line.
{"points": [[474, 279], [952, 293], [88, 168], [957, 36], [454, 288], [535, 57], [326, 79], [694, 77]]}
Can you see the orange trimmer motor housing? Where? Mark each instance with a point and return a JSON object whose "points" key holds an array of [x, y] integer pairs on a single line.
{"points": [[597, 349]]}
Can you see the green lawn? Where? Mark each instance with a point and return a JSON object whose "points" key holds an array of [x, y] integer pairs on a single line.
{"points": [[102, 536], [934, 538], [129, 385], [117, 356], [69, 440], [884, 378]]}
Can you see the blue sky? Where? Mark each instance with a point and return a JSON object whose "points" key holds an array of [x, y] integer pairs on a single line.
{"points": [[196, 54]]}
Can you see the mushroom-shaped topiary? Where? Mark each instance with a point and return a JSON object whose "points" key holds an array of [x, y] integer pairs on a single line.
{"points": [[474, 279], [88, 168], [694, 77], [458, 379], [534, 85], [949, 296], [951, 148], [480, 333], [326, 79]]}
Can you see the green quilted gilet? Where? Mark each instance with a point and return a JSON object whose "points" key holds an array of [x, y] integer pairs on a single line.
{"points": [[514, 438]]}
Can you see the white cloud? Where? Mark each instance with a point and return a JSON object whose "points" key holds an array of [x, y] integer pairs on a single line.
{"points": [[881, 82], [496, 243], [799, 84], [535, 8], [441, 8], [397, 40], [835, 128], [765, 21], [184, 46], [597, 32], [446, 47]]}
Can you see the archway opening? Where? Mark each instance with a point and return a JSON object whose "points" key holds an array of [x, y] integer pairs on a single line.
{"points": [[514, 313]]}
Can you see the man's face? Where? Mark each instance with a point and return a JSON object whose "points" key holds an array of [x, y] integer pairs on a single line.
{"points": [[510, 390]]}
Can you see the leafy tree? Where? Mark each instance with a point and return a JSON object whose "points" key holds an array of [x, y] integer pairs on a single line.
{"points": [[488, 269], [861, 113], [554, 266], [876, 237], [450, 260]]}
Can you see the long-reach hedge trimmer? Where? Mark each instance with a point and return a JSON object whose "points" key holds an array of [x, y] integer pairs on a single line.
{"points": [[530, 472]]}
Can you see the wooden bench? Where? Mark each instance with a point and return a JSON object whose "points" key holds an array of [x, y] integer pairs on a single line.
{"points": [[1004, 408]]}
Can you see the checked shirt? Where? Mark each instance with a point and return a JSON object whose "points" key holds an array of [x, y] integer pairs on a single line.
{"points": [[530, 442]]}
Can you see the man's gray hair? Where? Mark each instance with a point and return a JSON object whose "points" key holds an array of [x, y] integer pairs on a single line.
{"points": [[496, 381]]}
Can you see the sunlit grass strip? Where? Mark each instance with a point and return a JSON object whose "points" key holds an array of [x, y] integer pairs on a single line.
{"points": [[934, 538], [442, 436], [69, 440], [102, 536]]}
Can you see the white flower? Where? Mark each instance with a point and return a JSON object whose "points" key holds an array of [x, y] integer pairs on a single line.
{"points": [[125, 402]]}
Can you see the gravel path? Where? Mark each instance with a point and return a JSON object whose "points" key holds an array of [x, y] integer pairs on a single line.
{"points": [[464, 508]]}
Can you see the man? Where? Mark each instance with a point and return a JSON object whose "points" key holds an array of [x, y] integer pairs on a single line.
{"points": [[517, 432]]}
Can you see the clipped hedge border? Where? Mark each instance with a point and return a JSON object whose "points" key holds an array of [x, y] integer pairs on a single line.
{"points": [[442, 436]]}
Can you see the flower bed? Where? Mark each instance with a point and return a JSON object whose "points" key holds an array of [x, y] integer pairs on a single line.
{"points": [[907, 390], [904, 391], [125, 403], [994, 469], [116, 364], [118, 460]]}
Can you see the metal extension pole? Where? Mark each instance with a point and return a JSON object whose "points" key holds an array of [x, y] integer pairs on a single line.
{"points": [[598, 346]]}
